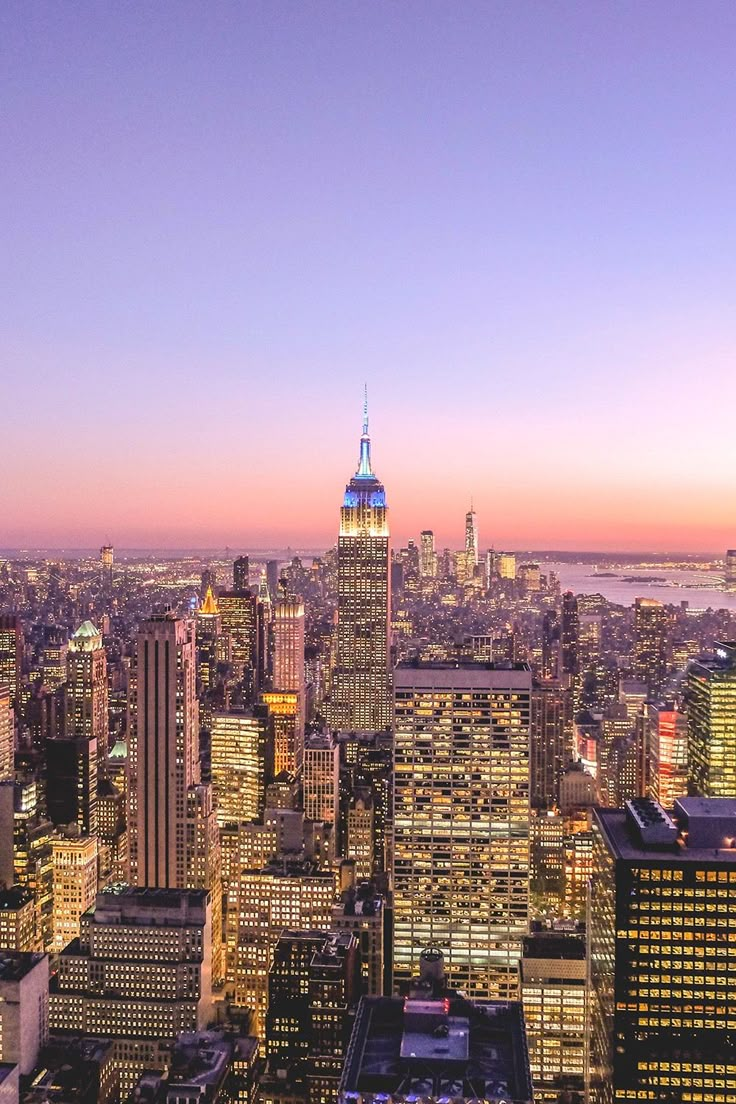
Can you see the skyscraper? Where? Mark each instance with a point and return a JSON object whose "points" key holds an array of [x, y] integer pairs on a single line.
{"points": [[710, 696], [163, 745], [651, 628], [241, 573], [11, 655], [471, 540], [6, 734], [461, 822], [663, 959], [361, 686], [427, 556], [288, 678], [242, 762], [86, 688], [667, 746]]}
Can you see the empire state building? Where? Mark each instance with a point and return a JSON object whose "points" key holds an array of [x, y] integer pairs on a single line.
{"points": [[361, 698]]}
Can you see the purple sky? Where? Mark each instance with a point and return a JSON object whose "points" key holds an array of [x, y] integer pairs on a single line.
{"points": [[516, 221]]}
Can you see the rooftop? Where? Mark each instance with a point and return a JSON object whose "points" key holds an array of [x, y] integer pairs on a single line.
{"points": [[706, 833], [15, 897], [15, 965], [449, 1047]]}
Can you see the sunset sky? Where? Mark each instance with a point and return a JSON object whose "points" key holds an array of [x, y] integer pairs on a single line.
{"points": [[515, 221]]}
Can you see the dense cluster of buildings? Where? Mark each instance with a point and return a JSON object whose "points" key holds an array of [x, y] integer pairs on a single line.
{"points": [[375, 825]]}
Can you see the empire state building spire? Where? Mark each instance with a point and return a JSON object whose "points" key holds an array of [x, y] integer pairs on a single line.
{"points": [[361, 696]]}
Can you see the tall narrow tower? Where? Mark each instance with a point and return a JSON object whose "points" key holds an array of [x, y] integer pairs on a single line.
{"points": [[361, 694], [471, 539]]}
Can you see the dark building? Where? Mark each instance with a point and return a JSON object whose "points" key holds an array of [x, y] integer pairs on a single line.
{"points": [[241, 573], [437, 1049], [551, 742], [569, 633], [663, 952], [71, 782], [651, 632]]}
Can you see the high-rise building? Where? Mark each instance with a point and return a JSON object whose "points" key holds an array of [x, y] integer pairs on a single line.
{"points": [[239, 619], [506, 565], [11, 655], [360, 844], [667, 744], [321, 778], [285, 710], [55, 648], [173, 838], [7, 740], [71, 783], [651, 633], [139, 975], [554, 992], [209, 630], [471, 540], [663, 964], [107, 560], [569, 634], [550, 746], [288, 677], [461, 822], [163, 751], [242, 762], [86, 688], [75, 884], [241, 573], [710, 697], [361, 696], [427, 555]]}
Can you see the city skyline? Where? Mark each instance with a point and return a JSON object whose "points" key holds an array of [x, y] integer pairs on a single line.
{"points": [[511, 221]]}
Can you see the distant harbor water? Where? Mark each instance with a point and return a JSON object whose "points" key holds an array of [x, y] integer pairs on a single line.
{"points": [[677, 584]]}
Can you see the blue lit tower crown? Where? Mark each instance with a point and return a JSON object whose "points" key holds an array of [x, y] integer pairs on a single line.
{"points": [[361, 688]]}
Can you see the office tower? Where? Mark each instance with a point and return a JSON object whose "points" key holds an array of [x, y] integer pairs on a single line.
{"points": [[272, 577], [7, 742], [461, 822], [546, 863], [284, 894], [446, 1048], [241, 573], [667, 744], [239, 619], [471, 541], [710, 702], [361, 835], [75, 884], [651, 632], [139, 975], [11, 656], [242, 762], [427, 556], [24, 1005], [55, 647], [663, 963], [370, 758], [551, 649], [163, 751], [506, 565], [288, 730], [730, 574], [554, 993], [107, 560], [569, 633], [360, 911], [361, 690], [321, 778], [25, 853], [17, 920], [550, 745], [209, 629], [86, 689], [288, 678], [173, 840], [71, 783]]}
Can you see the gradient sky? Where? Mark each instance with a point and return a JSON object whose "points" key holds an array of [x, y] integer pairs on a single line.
{"points": [[516, 221]]}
